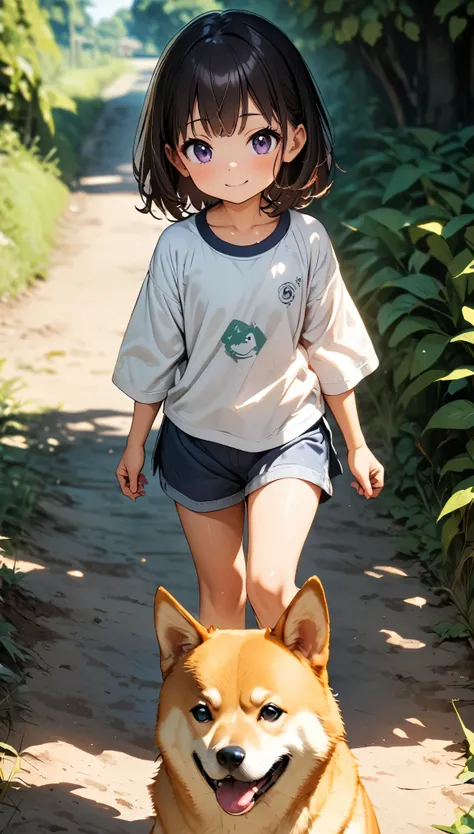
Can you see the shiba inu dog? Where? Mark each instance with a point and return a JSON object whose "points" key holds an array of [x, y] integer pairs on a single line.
{"points": [[250, 736]]}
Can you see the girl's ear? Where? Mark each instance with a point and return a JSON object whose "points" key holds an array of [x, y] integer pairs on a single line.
{"points": [[174, 158], [296, 140]]}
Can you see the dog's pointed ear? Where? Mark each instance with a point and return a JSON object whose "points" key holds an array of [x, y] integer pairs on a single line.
{"points": [[304, 626], [176, 629]]}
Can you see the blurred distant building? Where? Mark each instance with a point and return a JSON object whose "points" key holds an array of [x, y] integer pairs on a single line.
{"points": [[128, 46]]}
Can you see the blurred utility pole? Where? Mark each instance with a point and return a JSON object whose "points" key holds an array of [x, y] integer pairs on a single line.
{"points": [[72, 33]]}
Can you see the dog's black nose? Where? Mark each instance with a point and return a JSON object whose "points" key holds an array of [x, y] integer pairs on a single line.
{"points": [[230, 757]]}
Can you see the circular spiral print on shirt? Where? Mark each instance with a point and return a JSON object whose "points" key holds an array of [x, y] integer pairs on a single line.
{"points": [[287, 293]]}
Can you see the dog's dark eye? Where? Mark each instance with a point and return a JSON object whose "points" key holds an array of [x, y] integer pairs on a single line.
{"points": [[202, 713], [271, 713]]}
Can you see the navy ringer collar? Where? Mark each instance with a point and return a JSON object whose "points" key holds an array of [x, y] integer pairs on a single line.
{"points": [[242, 251]]}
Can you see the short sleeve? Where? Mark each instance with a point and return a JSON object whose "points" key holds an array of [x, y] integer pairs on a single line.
{"points": [[339, 348], [153, 345]]}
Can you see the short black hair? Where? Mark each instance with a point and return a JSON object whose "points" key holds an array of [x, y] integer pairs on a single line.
{"points": [[218, 61]]}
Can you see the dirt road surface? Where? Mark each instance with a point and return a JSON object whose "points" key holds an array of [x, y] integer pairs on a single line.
{"points": [[96, 559]]}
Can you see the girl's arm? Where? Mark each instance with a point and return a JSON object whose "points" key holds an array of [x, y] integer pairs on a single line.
{"points": [[362, 463], [144, 415], [344, 408], [129, 474]]}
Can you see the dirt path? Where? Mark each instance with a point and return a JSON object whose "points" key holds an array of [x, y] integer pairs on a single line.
{"points": [[97, 559]]}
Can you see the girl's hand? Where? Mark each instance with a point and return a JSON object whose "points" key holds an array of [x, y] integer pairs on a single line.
{"points": [[367, 470], [128, 471]]}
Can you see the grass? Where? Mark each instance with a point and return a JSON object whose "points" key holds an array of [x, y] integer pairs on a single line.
{"points": [[33, 182], [18, 494], [31, 198]]}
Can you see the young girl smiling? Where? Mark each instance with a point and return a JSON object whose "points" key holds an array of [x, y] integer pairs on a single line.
{"points": [[243, 327]]}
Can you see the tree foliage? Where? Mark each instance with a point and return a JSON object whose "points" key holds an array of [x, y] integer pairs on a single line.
{"points": [[29, 57], [418, 55], [161, 19], [61, 12]]}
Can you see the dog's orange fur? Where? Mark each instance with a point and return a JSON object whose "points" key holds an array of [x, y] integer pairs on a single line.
{"points": [[320, 792]]}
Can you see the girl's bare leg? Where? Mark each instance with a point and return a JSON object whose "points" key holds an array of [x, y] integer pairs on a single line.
{"points": [[280, 515], [215, 540]]}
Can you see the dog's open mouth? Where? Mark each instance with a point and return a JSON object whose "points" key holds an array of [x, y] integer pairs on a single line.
{"points": [[236, 797]]}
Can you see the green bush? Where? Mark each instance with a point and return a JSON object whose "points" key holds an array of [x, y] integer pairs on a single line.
{"points": [[31, 198], [407, 239]]}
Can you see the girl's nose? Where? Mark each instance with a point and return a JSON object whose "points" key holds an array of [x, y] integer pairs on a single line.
{"points": [[232, 165]]}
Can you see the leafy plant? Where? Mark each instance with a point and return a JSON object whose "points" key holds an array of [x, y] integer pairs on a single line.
{"points": [[467, 773], [464, 823], [6, 777], [407, 243]]}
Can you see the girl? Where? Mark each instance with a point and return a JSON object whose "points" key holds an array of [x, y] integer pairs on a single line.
{"points": [[243, 327]]}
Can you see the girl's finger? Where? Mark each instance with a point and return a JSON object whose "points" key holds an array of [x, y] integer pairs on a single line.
{"points": [[377, 479]]}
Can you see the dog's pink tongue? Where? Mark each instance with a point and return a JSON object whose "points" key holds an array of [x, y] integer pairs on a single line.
{"points": [[235, 797]]}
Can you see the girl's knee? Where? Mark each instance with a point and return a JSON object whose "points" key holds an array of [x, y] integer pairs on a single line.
{"points": [[268, 598], [224, 597]]}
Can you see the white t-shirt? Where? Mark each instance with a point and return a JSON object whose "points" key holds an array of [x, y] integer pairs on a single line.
{"points": [[242, 341]]}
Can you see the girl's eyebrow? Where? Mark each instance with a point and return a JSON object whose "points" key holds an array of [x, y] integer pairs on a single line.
{"points": [[206, 120]]}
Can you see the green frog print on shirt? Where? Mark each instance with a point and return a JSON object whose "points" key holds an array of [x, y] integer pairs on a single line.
{"points": [[243, 341]]}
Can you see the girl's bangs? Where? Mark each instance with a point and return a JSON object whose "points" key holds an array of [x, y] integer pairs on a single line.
{"points": [[224, 79]]}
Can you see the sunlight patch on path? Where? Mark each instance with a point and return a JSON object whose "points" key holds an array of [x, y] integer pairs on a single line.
{"points": [[111, 778]]}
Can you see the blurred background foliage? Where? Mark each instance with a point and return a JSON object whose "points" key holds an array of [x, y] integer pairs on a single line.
{"points": [[398, 80]]}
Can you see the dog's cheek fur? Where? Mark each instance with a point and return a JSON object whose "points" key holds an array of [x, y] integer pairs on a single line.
{"points": [[176, 744]]}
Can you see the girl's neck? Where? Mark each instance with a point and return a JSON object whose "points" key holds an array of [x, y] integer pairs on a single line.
{"points": [[243, 217]]}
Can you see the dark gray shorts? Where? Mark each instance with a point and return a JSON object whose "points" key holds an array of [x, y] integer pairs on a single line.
{"points": [[205, 476]]}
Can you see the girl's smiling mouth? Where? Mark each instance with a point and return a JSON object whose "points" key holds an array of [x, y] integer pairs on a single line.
{"points": [[237, 185]]}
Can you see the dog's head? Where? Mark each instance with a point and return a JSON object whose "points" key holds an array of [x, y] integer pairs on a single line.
{"points": [[246, 714]]}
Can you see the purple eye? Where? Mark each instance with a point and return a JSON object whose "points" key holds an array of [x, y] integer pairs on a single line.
{"points": [[198, 152], [264, 142]]}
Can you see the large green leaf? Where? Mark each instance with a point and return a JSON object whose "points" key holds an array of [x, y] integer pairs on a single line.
{"points": [[419, 385], [456, 224], [379, 279], [401, 180], [427, 351], [466, 133], [440, 250], [457, 26], [393, 310], [462, 264], [371, 31], [419, 284], [454, 201], [390, 217], [468, 314], [402, 370], [459, 373], [426, 136], [464, 495], [417, 260], [458, 464], [412, 30], [347, 30], [449, 532], [445, 7], [458, 414], [412, 324], [426, 214], [466, 336]]}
